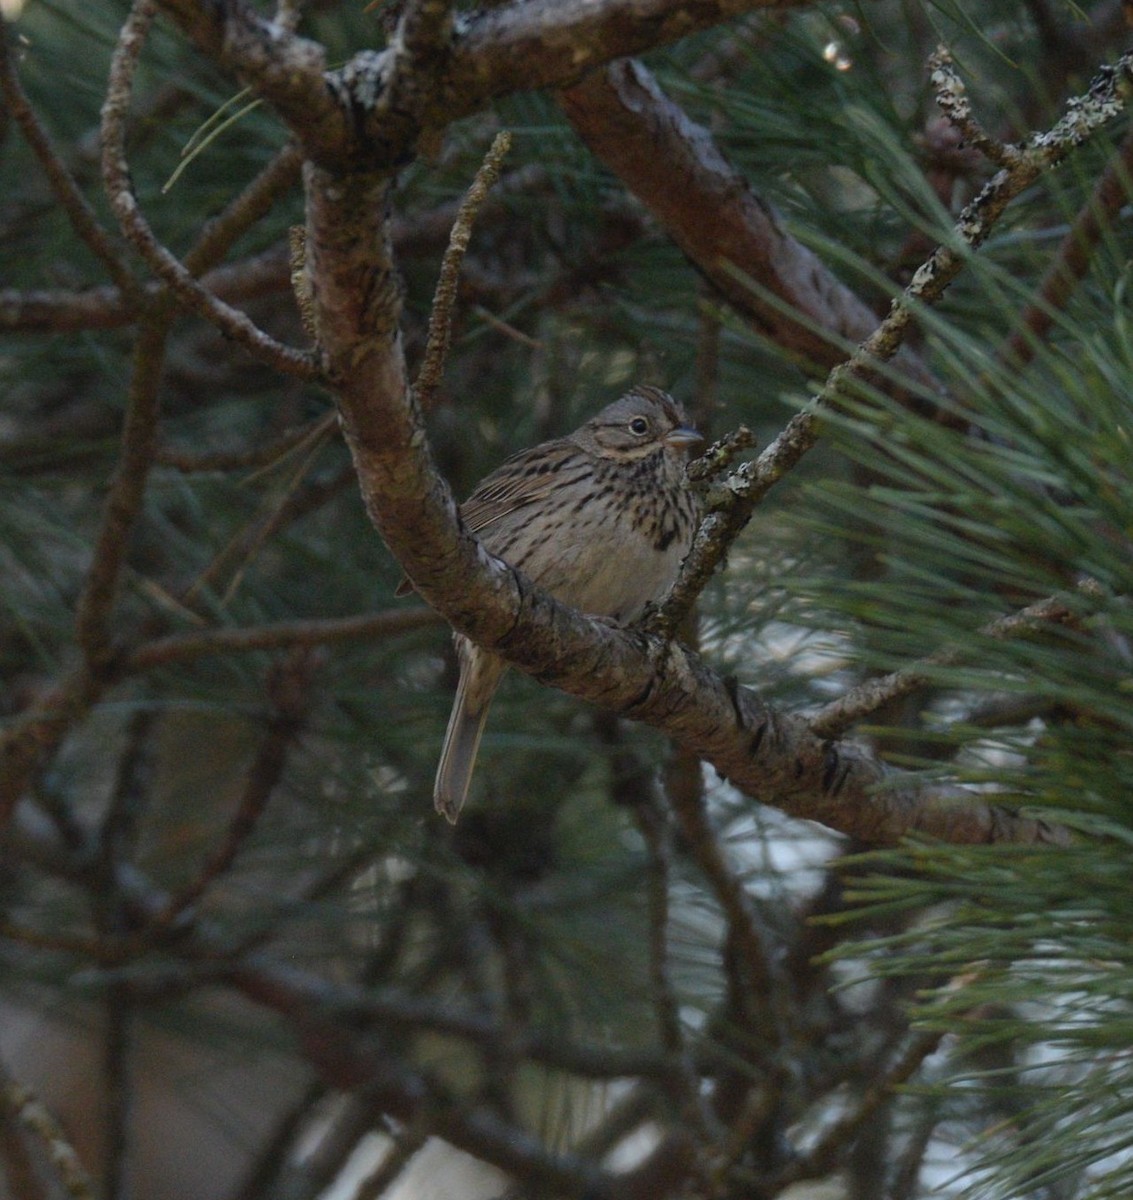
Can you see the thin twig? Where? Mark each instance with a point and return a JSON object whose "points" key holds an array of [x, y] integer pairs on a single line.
{"points": [[745, 927], [58, 310], [117, 838], [33, 1115], [759, 1104], [92, 949], [32, 738], [749, 483], [117, 1092], [1072, 260], [684, 779], [118, 831], [294, 993], [444, 298], [289, 688], [822, 1156], [244, 210], [835, 718], [81, 214], [186, 647], [292, 502], [258, 457], [127, 490], [952, 100], [719, 457], [653, 825], [906, 1168], [139, 435], [136, 229], [61, 310]]}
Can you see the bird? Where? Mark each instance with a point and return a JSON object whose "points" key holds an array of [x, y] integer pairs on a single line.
{"points": [[601, 519]]}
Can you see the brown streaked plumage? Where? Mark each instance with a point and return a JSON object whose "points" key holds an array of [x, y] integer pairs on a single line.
{"points": [[601, 519]]}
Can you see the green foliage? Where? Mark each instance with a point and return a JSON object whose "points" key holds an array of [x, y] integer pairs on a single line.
{"points": [[1020, 954]]}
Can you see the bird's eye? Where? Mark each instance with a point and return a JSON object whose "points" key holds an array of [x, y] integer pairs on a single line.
{"points": [[639, 425]]}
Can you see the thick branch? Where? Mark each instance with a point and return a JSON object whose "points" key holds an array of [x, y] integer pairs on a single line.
{"points": [[357, 310], [673, 166], [553, 43], [770, 757], [344, 118], [735, 501]]}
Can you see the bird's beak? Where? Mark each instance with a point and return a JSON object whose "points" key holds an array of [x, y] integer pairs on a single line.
{"points": [[683, 437]]}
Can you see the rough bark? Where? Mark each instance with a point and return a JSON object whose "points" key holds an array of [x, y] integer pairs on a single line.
{"points": [[674, 167]]}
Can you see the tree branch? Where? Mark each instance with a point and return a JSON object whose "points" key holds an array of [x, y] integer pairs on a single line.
{"points": [[81, 214], [431, 373], [137, 231], [735, 500], [835, 718], [29, 1112], [553, 43], [345, 119], [189, 646], [127, 490], [32, 739], [61, 310], [629, 123], [824, 1154], [289, 684], [244, 210], [769, 756], [1111, 193], [279, 66], [348, 1034]]}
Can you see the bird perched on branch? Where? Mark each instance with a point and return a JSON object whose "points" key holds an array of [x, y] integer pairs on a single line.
{"points": [[600, 518]]}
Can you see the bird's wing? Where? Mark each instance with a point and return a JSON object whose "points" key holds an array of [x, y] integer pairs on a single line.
{"points": [[523, 479]]}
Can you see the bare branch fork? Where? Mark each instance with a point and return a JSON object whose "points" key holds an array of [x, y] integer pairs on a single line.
{"points": [[178, 277], [342, 1028], [27, 743]]}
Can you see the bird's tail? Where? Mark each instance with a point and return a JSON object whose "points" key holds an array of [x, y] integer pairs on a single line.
{"points": [[479, 675]]}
